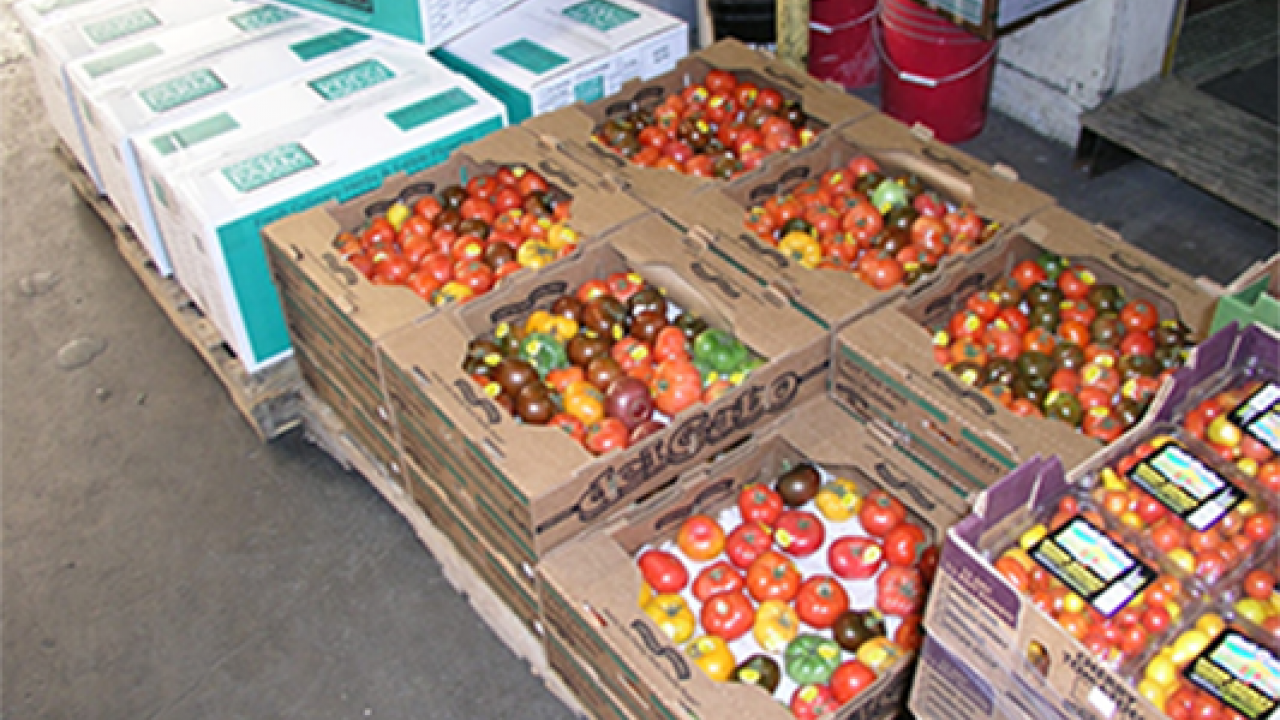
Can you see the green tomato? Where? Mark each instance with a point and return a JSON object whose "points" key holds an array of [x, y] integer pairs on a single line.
{"points": [[719, 351], [544, 352], [811, 659], [889, 194]]}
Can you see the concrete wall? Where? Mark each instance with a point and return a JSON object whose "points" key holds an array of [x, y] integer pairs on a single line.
{"points": [[1071, 60]]}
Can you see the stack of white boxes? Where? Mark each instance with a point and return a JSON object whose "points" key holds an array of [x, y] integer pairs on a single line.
{"points": [[204, 120]]}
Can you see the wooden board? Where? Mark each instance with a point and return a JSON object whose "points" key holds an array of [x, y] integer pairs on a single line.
{"points": [[325, 429], [270, 400], [1204, 141]]}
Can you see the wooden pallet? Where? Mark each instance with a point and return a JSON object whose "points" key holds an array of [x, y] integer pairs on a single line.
{"points": [[270, 399], [324, 429]]}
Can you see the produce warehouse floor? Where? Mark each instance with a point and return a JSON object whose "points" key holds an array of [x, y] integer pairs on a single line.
{"points": [[159, 562]]}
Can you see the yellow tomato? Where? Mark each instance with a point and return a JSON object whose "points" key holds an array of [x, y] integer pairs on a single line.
{"points": [[673, 616], [879, 653], [776, 625], [838, 500], [1033, 535], [712, 654]]}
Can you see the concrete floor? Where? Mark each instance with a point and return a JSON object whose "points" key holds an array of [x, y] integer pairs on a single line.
{"points": [[159, 562]]}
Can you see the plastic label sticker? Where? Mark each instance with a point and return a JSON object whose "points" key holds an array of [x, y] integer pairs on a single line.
{"points": [[1093, 566], [309, 50], [601, 15], [531, 56], [1184, 484], [275, 164], [589, 90], [122, 25], [261, 17], [1259, 416], [351, 80], [182, 90], [1240, 673]]}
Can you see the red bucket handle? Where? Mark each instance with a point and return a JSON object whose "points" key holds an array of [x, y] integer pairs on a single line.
{"points": [[921, 80], [829, 29]]}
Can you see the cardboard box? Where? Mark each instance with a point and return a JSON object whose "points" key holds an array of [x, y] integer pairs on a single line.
{"points": [[884, 365], [590, 586], [542, 55], [998, 632], [98, 28], [570, 129], [195, 69], [946, 688], [331, 308], [541, 486], [985, 17], [211, 213], [424, 22], [837, 297]]}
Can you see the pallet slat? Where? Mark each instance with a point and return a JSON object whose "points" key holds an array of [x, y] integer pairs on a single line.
{"points": [[1211, 144], [270, 400]]}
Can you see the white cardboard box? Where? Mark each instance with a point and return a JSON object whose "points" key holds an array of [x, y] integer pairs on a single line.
{"points": [[211, 210], [544, 54], [187, 80], [425, 22], [78, 30]]}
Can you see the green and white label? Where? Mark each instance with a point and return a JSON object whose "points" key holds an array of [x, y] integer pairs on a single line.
{"points": [[600, 15], [119, 26], [50, 6], [531, 56], [271, 166], [1240, 673], [1187, 486], [186, 88], [322, 45], [589, 90], [124, 58], [1093, 565], [1260, 416], [430, 109], [194, 134], [351, 80], [261, 17]]}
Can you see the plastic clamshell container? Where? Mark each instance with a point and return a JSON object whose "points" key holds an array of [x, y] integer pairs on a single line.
{"points": [[1188, 509], [1093, 578]]}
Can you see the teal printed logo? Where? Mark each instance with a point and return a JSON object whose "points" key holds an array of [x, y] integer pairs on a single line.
{"points": [[122, 25], [322, 45], [158, 190], [430, 109], [124, 58], [531, 56], [589, 90], [195, 133], [271, 166], [186, 88], [601, 15], [261, 17], [48, 6], [351, 80]]}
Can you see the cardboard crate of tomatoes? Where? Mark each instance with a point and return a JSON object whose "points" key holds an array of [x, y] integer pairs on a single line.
{"points": [[350, 273], [867, 209], [1051, 340], [784, 580], [1142, 582], [559, 399], [720, 114]]}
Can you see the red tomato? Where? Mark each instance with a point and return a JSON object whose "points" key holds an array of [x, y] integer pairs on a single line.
{"points": [[862, 220], [728, 615], [1139, 316], [1028, 273], [900, 591], [606, 435], [861, 165], [820, 601], [760, 503], [747, 542], [799, 532], [670, 344], [881, 512], [855, 557], [772, 576], [676, 386], [930, 233], [1073, 284], [964, 224], [719, 81], [700, 538], [664, 572], [810, 702], [475, 274], [881, 273], [904, 544], [850, 679], [718, 577]]}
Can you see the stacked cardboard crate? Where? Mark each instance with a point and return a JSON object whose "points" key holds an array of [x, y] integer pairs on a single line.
{"points": [[1005, 656]]}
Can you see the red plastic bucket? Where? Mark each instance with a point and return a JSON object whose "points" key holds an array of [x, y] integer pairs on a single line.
{"points": [[840, 45], [932, 71]]}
